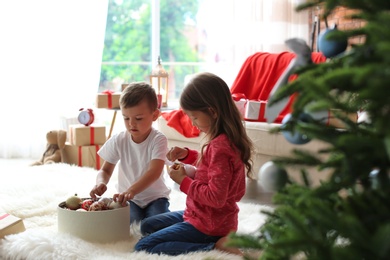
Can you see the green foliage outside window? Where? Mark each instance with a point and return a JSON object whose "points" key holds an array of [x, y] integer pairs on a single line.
{"points": [[127, 45]]}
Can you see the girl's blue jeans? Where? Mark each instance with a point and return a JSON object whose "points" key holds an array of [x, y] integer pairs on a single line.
{"points": [[168, 234], [153, 208]]}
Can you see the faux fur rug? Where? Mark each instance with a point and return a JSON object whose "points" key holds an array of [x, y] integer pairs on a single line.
{"points": [[33, 194]]}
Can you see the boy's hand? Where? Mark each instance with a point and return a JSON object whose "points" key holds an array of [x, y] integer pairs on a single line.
{"points": [[177, 153], [98, 190], [123, 197]]}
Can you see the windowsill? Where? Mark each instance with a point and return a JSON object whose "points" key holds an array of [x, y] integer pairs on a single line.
{"points": [[172, 105], [168, 109]]}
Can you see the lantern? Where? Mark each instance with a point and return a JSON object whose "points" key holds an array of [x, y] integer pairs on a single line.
{"points": [[159, 81]]}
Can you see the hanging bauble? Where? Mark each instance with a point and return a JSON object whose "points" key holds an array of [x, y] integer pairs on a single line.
{"points": [[374, 179], [272, 177], [331, 48], [295, 137], [379, 179]]}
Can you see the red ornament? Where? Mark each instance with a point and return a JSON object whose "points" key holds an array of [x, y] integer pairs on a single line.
{"points": [[86, 204]]}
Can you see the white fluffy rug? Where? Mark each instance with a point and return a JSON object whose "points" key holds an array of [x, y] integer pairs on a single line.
{"points": [[33, 194]]}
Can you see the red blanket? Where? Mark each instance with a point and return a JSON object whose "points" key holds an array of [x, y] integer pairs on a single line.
{"points": [[261, 71], [181, 122]]}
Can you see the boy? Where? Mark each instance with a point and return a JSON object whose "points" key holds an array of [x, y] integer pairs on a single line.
{"points": [[141, 152]]}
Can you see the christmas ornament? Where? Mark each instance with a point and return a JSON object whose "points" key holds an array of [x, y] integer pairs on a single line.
{"points": [[73, 202], [374, 179], [295, 137], [97, 206], [272, 177], [331, 48], [114, 205], [86, 204], [105, 201], [378, 179]]}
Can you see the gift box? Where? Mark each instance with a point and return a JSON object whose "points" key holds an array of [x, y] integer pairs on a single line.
{"points": [[255, 111], [329, 119], [83, 156], [81, 135], [10, 224], [108, 99], [241, 106], [105, 226], [240, 101]]}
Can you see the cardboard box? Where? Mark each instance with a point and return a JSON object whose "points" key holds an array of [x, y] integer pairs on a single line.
{"points": [[108, 99], [80, 135], [83, 156], [328, 117], [104, 226], [10, 224], [255, 111]]}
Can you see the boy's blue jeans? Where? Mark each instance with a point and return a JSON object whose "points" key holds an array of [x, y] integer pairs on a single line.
{"points": [[168, 234], [156, 207]]}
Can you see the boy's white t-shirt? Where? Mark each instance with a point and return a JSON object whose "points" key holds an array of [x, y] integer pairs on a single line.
{"points": [[134, 160]]}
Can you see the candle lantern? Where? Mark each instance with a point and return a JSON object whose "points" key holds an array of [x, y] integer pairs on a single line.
{"points": [[159, 81]]}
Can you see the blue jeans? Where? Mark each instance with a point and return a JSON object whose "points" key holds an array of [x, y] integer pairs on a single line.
{"points": [[168, 234], [155, 207]]}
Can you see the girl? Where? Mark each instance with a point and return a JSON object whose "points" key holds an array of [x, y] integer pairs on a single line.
{"points": [[211, 206]]}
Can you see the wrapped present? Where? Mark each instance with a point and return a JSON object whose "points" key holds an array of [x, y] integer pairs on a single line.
{"points": [[255, 111], [10, 224], [83, 156], [240, 101], [80, 135], [328, 117], [108, 99]]}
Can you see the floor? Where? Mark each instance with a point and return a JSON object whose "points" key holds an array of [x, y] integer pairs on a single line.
{"points": [[14, 163], [254, 194]]}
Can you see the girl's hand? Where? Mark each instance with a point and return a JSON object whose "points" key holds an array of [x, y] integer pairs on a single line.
{"points": [[177, 153], [177, 173]]}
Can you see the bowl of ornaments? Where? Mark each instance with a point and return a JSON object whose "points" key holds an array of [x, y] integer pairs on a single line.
{"points": [[100, 220]]}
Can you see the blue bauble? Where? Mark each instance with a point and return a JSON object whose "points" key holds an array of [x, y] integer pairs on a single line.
{"points": [[296, 137], [331, 48], [272, 177]]}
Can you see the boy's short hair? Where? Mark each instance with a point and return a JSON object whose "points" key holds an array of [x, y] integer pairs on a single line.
{"points": [[136, 92]]}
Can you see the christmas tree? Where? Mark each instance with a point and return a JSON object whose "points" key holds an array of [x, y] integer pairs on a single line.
{"points": [[348, 215]]}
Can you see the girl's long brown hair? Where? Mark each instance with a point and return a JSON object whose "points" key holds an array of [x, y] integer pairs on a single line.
{"points": [[207, 90]]}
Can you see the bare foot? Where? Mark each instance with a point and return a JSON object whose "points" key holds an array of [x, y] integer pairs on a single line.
{"points": [[220, 245]]}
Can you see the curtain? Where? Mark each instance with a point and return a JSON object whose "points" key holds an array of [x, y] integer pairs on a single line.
{"points": [[50, 58], [243, 27]]}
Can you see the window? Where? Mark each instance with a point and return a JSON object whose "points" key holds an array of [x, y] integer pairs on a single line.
{"points": [[192, 36]]}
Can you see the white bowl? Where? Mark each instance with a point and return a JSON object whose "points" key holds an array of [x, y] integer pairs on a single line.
{"points": [[104, 226]]}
